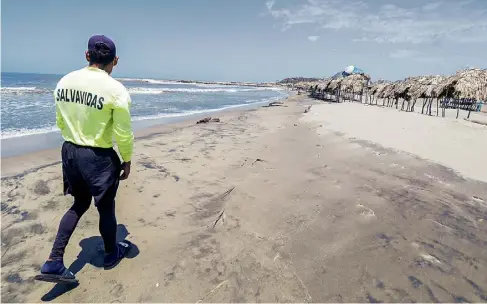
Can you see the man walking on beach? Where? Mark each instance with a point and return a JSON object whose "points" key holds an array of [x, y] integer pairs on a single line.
{"points": [[91, 108]]}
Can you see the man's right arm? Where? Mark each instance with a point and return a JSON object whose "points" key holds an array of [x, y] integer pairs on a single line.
{"points": [[122, 126]]}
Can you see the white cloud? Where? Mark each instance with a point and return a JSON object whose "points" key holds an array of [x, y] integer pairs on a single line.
{"points": [[429, 59], [391, 11], [431, 6], [270, 4], [313, 38], [453, 22], [405, 54]]}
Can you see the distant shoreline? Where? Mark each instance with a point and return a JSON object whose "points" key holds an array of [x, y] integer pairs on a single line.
{"points": [[146, 80]]}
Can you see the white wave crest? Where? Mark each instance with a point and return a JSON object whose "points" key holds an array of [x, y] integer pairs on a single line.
{"points": [[19, 88], [129, 79], [23, 90], [201, 84], [147, 80], [25, 132], [177, 90], [197, 90], [144, 91], [155, 81]]}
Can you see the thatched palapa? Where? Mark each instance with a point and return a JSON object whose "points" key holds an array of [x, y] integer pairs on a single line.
{"points": [[465, 84]]}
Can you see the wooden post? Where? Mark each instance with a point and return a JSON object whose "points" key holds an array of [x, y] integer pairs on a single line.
{"points": [[470, 108], [425, 101], [458, 107], [443, 105], [365, 91], [412, 107]]}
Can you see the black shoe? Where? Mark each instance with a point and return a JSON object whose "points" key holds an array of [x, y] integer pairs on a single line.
{"points": [[55, 272], [114, 258]]}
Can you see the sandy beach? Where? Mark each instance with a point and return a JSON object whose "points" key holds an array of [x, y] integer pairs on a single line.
{"points": [[346, 203]]}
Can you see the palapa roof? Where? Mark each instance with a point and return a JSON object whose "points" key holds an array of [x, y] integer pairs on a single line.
{"points": [[469, 84], [377, 87], [334, 84], [313, 85], [401, 90], [323, 85], [354, 82], [423, 88], [389, 90]]}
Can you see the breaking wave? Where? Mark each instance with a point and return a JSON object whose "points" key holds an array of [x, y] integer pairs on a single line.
{"points": [[24, 90], [25, 132], [198, 90]]}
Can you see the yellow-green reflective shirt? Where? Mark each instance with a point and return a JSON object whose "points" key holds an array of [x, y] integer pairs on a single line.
{"points": [[92, 108]]}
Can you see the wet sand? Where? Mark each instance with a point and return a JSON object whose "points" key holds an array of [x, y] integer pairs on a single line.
{"points": [[270, 205]]}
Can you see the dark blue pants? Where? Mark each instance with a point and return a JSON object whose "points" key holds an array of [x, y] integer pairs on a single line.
{"points": [[89, 173]]}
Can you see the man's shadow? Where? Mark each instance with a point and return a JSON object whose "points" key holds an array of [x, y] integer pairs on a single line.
{"points": [[92, 252]]}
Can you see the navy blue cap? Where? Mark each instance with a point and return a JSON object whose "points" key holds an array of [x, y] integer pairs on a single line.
{"points": [[97, 39]]}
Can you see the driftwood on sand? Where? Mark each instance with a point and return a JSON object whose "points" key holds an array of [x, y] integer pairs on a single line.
{"points": [[275, 104], [207, 120]]}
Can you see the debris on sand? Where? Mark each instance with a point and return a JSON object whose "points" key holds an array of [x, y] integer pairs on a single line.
{"points": [[221, 214], [275, 104], [207, 120], [258, 160], [307, 109]]}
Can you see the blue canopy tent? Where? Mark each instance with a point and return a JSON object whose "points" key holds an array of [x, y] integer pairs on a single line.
{"points": [[348, 71]]}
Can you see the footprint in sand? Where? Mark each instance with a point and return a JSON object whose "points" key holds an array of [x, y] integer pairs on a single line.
{"points": [[366, 212], [394, 165], [429, 258], [434, 178], [478, 200]]}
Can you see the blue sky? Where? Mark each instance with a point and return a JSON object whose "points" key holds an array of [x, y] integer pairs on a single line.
{"points": [[248, 40]]}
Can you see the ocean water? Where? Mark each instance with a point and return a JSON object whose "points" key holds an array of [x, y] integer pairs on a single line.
{"points": [[27, 103]]}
